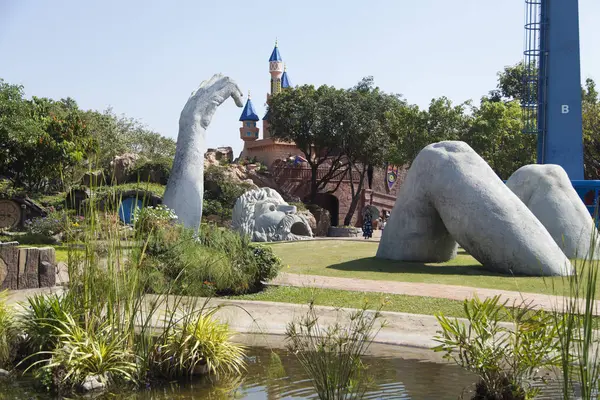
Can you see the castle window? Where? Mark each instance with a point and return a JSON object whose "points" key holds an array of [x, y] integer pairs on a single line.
{"points": [[248, 133]]}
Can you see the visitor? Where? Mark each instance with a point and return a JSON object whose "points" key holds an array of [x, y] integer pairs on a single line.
{"points": [[367, 226], [383, 224]]}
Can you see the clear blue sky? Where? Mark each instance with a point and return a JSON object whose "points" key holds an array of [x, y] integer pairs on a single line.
{"points": [[144, 58]]}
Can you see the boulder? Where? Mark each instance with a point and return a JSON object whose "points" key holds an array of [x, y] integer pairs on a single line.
{"points": [[218, 155], [547, 191], [310, 218], [451, 195], [322, 217], [122, 166]]}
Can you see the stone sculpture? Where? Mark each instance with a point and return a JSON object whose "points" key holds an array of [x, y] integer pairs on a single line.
{"points": [[451, 195], [266, 217], [185, 188], [547, 191]]}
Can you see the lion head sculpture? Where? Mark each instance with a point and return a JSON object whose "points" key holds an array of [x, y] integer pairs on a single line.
{"points": [[266, 217]]}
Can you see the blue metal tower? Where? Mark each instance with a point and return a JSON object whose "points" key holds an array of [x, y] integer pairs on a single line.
{"points": [[552, 96]]}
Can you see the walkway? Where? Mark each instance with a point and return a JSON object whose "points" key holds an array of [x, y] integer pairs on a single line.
{"points": [[536, 300]]}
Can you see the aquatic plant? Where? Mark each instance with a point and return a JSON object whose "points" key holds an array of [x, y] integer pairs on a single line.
{"points": [[332, 355], [198, 343], [505, 358]]}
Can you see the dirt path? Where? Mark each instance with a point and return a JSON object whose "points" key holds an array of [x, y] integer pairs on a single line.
{"points": [[540, 301]]}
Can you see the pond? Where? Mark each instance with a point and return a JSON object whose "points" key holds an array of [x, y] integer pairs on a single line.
{"points": [[275, 374]]}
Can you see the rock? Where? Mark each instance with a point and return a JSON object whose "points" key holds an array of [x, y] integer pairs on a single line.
{"points": [[451, 195], [93, 383], [218, 155], [185, 188], [266, 217], [94, 178], [322, 217], [547, 191], [4, 373], [122, 166], [310, 218]]}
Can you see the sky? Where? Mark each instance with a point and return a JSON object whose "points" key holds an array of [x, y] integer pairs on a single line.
{"points": [[144, 58]]}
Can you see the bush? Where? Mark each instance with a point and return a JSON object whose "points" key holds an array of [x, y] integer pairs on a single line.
{"points": [[198, 342], [155, 171], [218, 261], [220, 193], [54, 223], [150, 218]]}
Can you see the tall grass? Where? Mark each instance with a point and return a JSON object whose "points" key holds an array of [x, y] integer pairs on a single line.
{"points": [[106, 327], [331, 355], [578, 337], [7, 331]]}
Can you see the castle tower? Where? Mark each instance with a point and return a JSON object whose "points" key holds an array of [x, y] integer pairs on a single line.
{"points": [[276, 71], [285, 79], [249, 131]]}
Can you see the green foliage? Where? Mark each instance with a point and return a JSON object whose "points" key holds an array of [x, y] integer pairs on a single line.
{"points": [[99, 352], [219, 261], [53, 223], [157, 170], [506, 359], [332, 356], [220, 193], [199, 341], [148, 219], [8, 332]]}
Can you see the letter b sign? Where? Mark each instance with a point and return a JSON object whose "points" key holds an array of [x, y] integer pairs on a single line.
{"points": [[564, 109]]}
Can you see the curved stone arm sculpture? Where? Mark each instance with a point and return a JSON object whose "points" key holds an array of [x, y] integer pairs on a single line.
{"points": [[185, 188], [451, 195], [263, 215], [547, 191]]}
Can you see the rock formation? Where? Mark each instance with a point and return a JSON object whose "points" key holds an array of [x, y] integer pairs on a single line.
{"points": [[185, 189], [266, 217], [547, 191], [122, 165], [451, 195]]}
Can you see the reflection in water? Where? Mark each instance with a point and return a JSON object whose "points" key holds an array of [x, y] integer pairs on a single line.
{"points": [[279, 376]]}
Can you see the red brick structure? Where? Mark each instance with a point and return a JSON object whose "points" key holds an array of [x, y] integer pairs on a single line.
{"points": [[295, 180]]}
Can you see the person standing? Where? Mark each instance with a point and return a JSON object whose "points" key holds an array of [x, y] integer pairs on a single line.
{"points": [[367, 226]]}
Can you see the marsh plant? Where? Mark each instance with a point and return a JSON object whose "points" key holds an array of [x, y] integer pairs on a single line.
{"points": [[578, 336], [332, 355], [106, 328], [8, 332], [507, 357]]}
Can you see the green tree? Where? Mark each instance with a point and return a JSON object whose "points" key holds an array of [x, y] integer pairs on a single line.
{"points": [[413, 129], [367, 135], [313, 120], [496, 134], [591, 129]]}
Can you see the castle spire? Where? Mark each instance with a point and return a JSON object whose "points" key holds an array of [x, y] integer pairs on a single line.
{"points": [[286, 83]]}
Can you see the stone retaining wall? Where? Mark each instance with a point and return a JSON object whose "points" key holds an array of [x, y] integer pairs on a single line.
{"points": [[336, 231], [26, 268]]}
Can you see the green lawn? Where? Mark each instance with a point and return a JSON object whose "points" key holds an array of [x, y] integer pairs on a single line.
{"points": [[343, 298], [354, 259]]}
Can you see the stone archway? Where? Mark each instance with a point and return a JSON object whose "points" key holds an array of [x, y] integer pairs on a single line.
{"points": [[331, 204]]}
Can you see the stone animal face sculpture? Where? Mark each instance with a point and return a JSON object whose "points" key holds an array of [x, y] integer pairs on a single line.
{"points": [[451, 195], [266, 217], [185, 188], [547, 191]]}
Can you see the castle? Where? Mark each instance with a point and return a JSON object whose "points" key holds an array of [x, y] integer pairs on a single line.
{"points": [[379, 191]]}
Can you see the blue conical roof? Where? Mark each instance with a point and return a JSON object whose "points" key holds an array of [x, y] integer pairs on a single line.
{"points": [[285, 80], [275, 56], [248, 114], [266, 117]]}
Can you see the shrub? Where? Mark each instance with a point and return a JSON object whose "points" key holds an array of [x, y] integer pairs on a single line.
{"points": [[220, 193], [150, 218], [218, 261], [155, 171], [197, 342], [55, 222], [505, 360]]}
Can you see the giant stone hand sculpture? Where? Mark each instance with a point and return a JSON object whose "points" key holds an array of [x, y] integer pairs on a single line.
{"points": [[266, 217], [185, 188], [547, 191], [451, 195]]}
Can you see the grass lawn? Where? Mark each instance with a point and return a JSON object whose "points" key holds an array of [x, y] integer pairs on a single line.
{"points": [[353, 259], [343, 298]]}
